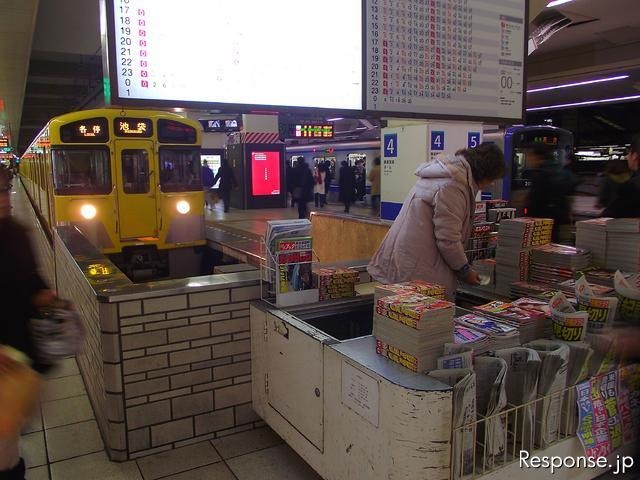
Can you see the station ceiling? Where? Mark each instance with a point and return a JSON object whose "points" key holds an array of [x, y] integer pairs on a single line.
{"points": [[50, 58]]}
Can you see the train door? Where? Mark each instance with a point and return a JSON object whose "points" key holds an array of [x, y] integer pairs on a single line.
{"points": [[135, 173]]}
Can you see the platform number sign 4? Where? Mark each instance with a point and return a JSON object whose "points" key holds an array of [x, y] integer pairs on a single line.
{"points": [[391, 145], [437, 140], [474, 139]]}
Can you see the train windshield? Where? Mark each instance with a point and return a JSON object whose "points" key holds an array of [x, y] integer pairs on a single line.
{"points": [[180, 169], [81, 171]]}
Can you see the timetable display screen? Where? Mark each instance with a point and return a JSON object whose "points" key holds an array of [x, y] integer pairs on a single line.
{"points": [[263, 53]]}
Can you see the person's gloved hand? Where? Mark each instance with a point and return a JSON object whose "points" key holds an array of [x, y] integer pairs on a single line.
{"points": [[472, 278]]}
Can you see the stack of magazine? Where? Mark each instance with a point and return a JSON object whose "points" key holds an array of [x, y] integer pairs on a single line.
{"points": [[592, 235], [335, 282], [411, 329], [478, 341], [515, 239], [529, 315], [555, 263], [427, 289], [501, 334], [623, 244]]}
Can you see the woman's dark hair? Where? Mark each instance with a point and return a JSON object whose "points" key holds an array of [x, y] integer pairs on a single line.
{"points": [[376, 161], [635, 144], [486, 161], [344, 163]]}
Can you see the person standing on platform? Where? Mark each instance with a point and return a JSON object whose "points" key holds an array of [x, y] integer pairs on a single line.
{"points": [[617, 173], [427, 240], [347, 180], [627, 204], [303, 187], [319, 189], [208, 183], [550, 190], [227, 183], [374, 179], [22, 292], [327, 180]]}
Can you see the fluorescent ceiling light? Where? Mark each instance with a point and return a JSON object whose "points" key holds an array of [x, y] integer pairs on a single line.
{"points": [[588, 102], [334, 119], [578, 84], [555, 3]]}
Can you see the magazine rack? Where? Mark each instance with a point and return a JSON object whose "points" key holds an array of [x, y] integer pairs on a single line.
{"points": [[286, 269]]}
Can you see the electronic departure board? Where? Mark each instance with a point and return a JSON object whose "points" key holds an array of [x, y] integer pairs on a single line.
{"points": [[446, 57], [311, 131], [251, 52]]}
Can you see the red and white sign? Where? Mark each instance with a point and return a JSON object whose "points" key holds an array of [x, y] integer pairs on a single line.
{"points": [[265, 168]]}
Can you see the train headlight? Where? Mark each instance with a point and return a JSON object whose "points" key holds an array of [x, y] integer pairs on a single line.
{"points": [[88, 211], [183, 207]]}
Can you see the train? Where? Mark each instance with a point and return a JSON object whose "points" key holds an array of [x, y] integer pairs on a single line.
{"points": [[130, 181]]}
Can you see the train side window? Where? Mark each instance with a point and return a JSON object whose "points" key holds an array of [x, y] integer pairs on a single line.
{"points": [[180, 169], [81, 171], [135, 171]]}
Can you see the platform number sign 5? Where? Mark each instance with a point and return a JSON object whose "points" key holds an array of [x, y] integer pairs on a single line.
{"points": [[437, 141], [391, 145], [474, 139]]}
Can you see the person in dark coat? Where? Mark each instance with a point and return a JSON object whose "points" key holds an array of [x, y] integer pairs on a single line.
{"points": [[22, 291], [627, 203], [227, 182], [207, 183], [550, 189], [303, 187], [347, 179], [291, 174]]}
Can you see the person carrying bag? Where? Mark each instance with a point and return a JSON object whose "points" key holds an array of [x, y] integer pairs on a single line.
{"points": [[23, 296]]}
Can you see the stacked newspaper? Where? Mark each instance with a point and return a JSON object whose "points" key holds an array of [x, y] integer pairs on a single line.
{"points": [[602, 310], [491, 398], [411, 329], [567, 324], [515, 239], [501, 334], [480, 214], [522, 387], [623, 245], [552, 379], [478, 341], [591, 235], [463, 381], [427, 289], [335, 282], [554, 263], [578, 370], [628, 292], [528, 315]]}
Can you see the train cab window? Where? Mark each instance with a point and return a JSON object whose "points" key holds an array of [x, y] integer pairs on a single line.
{"points": [[180, 169], [81, 171], [135, 171]]}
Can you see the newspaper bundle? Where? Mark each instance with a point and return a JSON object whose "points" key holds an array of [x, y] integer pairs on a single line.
{"points": [[567, 324], [601, 310], [580, 354], [551, 382], [628, 291], [463, 381], [521, 387], [491, 398]]}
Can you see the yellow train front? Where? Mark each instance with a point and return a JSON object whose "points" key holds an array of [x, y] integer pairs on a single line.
{"points": [[130, 181]]}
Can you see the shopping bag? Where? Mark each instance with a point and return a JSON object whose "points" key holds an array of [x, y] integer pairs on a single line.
{"points": [[57, 332], [19, 389]]}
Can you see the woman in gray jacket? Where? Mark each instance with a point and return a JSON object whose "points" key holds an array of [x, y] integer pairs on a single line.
{"points": [[427, 240]]}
